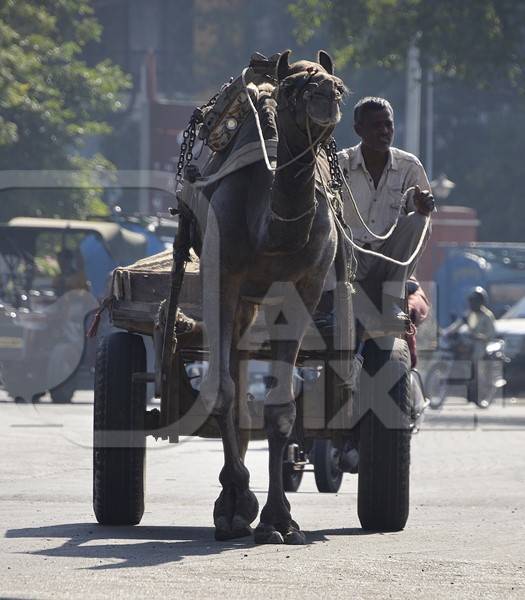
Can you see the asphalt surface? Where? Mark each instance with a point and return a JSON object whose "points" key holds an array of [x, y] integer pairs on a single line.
{"points": [[465, 537]]}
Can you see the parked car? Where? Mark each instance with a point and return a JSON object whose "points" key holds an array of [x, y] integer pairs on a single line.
{"points": [[53, 273], [511, 328]]}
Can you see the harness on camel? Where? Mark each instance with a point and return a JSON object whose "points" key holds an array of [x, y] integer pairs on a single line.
{"points": [[218, 123]]}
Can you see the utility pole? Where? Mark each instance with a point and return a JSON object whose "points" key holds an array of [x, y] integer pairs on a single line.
{"points": [[413, 100], [429, 126], [145, 141]]}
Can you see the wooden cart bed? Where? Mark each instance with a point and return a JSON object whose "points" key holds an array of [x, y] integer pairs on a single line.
{"points": [[138, 290]]}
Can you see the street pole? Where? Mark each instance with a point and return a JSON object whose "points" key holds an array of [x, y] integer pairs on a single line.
{"points": [[413, 100], [145, 142], [429, 110]]}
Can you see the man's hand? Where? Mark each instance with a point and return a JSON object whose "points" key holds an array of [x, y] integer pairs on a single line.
{"points": [[423, 201]]}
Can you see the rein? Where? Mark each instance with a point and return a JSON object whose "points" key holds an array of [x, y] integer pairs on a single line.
{"points": [[311, 147], [355, 246], [358, 212]]}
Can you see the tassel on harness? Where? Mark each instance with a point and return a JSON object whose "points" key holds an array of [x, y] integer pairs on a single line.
{"points": [[105, 304]]}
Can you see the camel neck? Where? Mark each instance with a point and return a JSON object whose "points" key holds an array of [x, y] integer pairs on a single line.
{"points": [[292, 202], [294, 186]]}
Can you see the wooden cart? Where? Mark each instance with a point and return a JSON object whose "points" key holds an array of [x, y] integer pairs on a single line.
{"points": [[144, 301]]}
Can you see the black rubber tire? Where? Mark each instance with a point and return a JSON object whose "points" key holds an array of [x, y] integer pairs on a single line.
{"points": [[120, 406], [291, 478], [484, 392], [63, 393], [384, 450], [436, 385], [328, 475]]}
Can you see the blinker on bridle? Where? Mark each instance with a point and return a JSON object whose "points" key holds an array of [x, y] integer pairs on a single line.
{"points": [[300, 89], [292, 99]]}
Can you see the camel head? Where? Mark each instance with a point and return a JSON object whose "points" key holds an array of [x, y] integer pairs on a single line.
{"points": [[310, 91]]}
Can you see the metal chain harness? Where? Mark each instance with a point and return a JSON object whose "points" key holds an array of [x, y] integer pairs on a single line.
{"points": [[189, 135], [336, 182]]}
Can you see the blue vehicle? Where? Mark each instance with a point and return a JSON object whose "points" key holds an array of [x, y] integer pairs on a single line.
{"points": [[498, 267], [53, 274]]}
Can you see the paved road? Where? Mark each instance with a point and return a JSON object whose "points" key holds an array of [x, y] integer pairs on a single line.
{"points": [[465, 537]]}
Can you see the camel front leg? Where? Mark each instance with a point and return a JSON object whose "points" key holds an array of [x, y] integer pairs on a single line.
{"points": [[239, 359], [276, 524], [236, 507]]}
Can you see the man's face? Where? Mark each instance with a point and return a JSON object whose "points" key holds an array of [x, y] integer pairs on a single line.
{"points": [[475, 304], [376, 129]]}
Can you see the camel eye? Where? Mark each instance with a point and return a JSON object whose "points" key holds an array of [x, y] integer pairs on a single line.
{"points": [[310, 90]]}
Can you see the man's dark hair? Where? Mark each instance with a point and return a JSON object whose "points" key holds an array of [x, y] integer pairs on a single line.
{"points": [[370, 103]]}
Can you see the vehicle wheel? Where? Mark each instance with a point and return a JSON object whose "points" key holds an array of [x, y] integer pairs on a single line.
{"points": [[119, 440], [384, 442], [436, 385], [328, 474], [291, 477], [487, 389], [63, 393]]}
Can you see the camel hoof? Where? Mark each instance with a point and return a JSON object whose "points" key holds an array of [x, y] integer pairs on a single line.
{"points": [[223, 530], [246, 508], [267, 534], [237, 529], [240, 527], [294, 537]]}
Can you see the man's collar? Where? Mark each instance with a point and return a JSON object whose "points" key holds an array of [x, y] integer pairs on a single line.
{"points": [[357, 160], [392, 161]]}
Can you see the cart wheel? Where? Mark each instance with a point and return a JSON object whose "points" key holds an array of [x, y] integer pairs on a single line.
{"points": [[436, 385], [328, 475], [119, 440], [291, 477], [384, 443], [63, 393]]}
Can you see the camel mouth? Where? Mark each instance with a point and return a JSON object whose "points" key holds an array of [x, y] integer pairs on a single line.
{"points": [[324, 121]]}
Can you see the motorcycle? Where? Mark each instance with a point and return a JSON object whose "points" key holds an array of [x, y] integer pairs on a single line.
{"points": [[455, 371]]}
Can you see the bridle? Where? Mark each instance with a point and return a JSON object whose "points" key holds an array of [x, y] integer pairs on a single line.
{"points": [[298, 89], [312, 145]]}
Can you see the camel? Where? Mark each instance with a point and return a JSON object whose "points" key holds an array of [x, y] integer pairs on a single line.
{"points": [[271, 228]]}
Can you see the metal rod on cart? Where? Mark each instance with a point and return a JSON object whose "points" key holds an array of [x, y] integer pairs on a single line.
{"points": [[181, 247]]}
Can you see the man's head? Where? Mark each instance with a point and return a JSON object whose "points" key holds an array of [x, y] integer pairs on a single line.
{"points": [[374, 123], [477, 298]]}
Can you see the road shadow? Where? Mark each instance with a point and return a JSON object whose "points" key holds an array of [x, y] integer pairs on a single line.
{"points": [[323, 535], [148, 546]]}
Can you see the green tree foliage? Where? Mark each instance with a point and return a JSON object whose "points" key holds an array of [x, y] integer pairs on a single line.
{"points": [[51, 102], [477, 51], [479, 41]]}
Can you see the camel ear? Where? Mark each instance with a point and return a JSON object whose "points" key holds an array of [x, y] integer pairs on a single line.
{"points": [[283, 67], [325, 60]]}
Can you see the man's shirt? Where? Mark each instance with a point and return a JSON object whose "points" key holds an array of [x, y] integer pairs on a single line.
{"points": [[481, 324], [379, 207]]}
